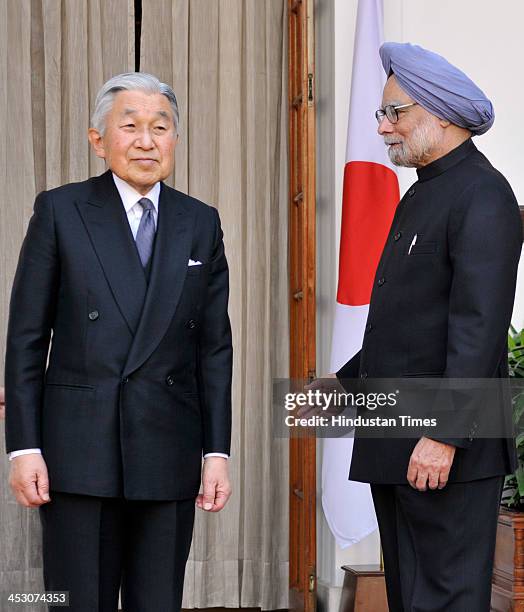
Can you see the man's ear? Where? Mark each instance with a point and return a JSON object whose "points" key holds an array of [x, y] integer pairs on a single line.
{"points": [[97, 142], [444, 123]]}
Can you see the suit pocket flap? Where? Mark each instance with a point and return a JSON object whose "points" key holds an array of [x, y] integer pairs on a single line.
{"points": [[73, 386], [424, 248]]}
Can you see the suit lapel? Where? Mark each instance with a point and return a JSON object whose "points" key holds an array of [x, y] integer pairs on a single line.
{"points": [[106, 222], [168, 272]]}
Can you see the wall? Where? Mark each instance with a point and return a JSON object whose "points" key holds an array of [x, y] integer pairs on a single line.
{"points": [[483, 42]]}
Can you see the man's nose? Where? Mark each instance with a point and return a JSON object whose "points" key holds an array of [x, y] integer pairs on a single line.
{"points": [[144, 140], [385, 126]]}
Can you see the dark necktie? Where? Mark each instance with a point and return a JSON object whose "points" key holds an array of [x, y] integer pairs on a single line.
{"points": [[145, 236]]}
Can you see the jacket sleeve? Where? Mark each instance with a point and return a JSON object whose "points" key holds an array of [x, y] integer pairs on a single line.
{"points": [[485, 240], [216, 353], [31, 315]]}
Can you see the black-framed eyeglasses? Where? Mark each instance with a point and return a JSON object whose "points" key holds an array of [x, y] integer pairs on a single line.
{"points": [[391, 112]]}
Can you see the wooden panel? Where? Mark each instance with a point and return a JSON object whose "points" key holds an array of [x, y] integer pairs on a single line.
{"points": [[364, 589], [302, 543], [508, 572]]}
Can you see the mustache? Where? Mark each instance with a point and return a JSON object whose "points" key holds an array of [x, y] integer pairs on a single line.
{"points": [[389, 140]]}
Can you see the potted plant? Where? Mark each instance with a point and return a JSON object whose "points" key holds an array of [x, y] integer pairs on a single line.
{"points": [[508, 573]]}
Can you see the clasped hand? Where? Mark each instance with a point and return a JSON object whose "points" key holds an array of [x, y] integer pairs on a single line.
{"points": [[430, 464]]}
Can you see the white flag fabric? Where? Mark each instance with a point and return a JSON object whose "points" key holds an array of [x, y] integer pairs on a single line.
{"points": [[370, 196]]}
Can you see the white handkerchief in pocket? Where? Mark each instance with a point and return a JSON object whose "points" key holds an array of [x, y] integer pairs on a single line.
{"points": [[192, 262]]}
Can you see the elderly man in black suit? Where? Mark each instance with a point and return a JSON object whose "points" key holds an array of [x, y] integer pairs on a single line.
{"points": [[440, 307], [126, 281]]}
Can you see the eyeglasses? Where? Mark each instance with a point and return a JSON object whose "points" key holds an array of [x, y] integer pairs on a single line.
{"points": [[391, 112]]}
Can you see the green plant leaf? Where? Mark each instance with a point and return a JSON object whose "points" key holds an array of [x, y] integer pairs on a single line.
{"points": [[520, 440], [513, 494], [520, 479]]}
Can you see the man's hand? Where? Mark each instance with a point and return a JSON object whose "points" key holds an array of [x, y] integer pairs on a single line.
{"points": [[2, 403], [430, 464], [215, 485], [29, 481], [326, 385]]}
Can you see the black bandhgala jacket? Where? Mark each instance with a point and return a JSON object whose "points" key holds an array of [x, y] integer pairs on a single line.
{"points": [[443, 310]]}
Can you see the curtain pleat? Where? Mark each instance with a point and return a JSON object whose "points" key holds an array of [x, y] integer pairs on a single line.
{"points": [[226, 63], [54, 56]]}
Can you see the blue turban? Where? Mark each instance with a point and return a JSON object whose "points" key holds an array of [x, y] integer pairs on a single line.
{"points": [[438, 86]]}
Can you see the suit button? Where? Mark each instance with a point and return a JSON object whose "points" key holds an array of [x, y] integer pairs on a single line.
{"points": [[125, 380], [191, 324], [93, 316], [397, 236], [170, 381], [364, 375], [369, 327], [411, 192], [381, 281]]}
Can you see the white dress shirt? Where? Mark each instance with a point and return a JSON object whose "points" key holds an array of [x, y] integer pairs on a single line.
{"points": [[134, 211], [130, 197]]}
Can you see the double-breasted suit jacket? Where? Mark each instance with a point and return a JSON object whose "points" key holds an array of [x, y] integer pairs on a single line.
{"points": [[441, 303], [138, 381]]}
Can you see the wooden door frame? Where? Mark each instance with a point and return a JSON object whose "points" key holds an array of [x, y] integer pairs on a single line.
{"points": [[302, 299]]}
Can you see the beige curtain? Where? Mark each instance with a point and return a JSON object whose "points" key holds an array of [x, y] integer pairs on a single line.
{"points": [[225, 60], [54, 55]]}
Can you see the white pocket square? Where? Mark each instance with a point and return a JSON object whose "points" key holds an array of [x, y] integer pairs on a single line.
{"points": [[192, 262]]}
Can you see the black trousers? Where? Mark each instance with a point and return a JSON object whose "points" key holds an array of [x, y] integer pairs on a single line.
{"points": [[438, 546], [92, 546]]}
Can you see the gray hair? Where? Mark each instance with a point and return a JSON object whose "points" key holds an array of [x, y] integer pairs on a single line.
{"points": [[129, 81]]}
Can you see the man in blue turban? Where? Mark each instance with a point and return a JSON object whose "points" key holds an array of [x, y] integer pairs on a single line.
{"points": [[438, 86], [441, 307]]}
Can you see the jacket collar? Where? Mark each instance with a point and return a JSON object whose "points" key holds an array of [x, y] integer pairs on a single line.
{"points": [[147, 309], [174, 238], [447, 161]]}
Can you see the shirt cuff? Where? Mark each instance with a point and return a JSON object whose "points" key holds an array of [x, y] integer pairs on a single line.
{"points": [[223, 455], [25, 451]]}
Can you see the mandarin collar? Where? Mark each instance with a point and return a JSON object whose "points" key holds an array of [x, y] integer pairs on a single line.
{"points": [[447, 161]]}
